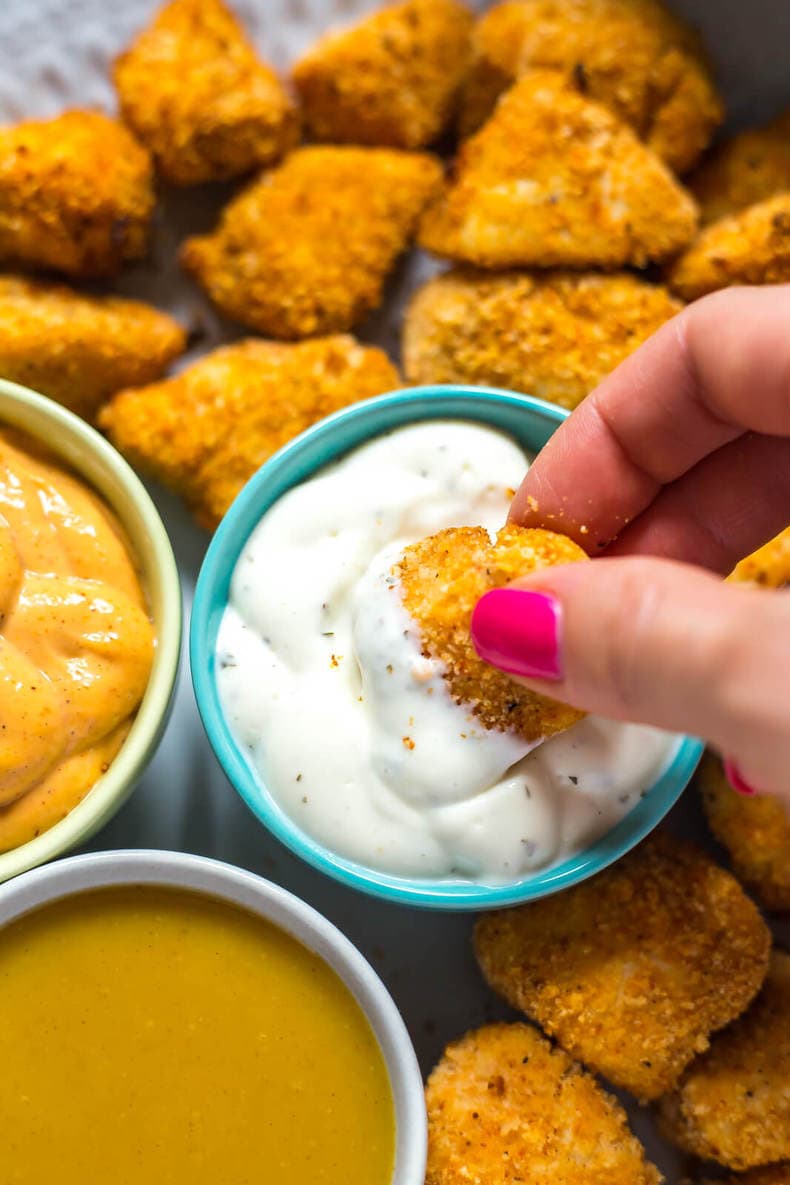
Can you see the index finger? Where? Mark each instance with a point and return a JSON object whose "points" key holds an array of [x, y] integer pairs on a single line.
{"points": [[719, 369]]}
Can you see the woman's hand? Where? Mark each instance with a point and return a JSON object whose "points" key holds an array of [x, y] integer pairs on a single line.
{"points": [[682, 453]]}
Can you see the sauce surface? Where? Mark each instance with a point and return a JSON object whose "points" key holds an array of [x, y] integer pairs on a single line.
{"points": [[323, 681], [76, 642], [156, 1037]]}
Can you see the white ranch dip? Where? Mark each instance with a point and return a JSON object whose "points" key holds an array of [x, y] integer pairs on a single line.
{"points": [[323, 682]]}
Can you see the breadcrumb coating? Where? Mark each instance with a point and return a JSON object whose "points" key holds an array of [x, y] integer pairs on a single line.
{"points": [[555, 180], [306, 249], [392, 79], [81, 349], [751, 247], [632, 970], [755, 832], [441, 580], [769, 565], [733, 1104], [194, 90], [748, 168], [555, 335], [206, 431], [76, 194], [634, 56], [507, 1108]]}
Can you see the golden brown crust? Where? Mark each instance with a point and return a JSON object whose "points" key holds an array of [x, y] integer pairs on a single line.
{"points": [[195, 92], [392, 79], [81, 349], [76, 194], [206, 431], [306, 249], [769, 566], [506, 1108], [632, 970], [751, 247], [633, 56], [748, 168], [733, 1104], [555, 335], [442, 578], [755, 832], [555, 180]]}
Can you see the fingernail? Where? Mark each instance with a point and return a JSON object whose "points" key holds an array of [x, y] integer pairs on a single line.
{"points": [[736, 778], [519, 632]]}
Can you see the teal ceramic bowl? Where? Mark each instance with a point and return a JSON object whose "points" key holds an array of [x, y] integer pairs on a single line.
{"points": [[530, 422]]}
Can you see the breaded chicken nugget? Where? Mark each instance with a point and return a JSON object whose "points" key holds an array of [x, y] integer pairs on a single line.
{"points": [[206, 431], [80, 349], [195, 92], [769, 565], [748, 168], [76, 194], [554, 335], [391, 80], [634, 56], [633, 970], [555, 180], [751, 247], [506, 1107], [441, 580], [755, 831], [733, 1104], [306, 248]]}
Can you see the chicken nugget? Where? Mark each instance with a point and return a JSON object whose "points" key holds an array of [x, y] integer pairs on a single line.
{"points": [[76, 194], [755, 832], [441, 580], [555, 180], [555, 335], [634, 56], [206, 431], [751, 247], [195, 92], [632, 970], [506, 1107], [769, 566], [733, 1103], [306, 249], [80, 349], [748, 168], [391, 80]]}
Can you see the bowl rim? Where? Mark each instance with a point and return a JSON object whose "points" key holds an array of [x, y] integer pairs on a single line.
{"points": [[99, 466], [240, 887], [427, 402]]}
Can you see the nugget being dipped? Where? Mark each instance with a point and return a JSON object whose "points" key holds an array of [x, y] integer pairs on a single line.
{"points": [[206, 431], [748, 168], [555, 335], [81, 349], [392, 79], [555, 180], [76, 194], [634, 56], [505, 1106], [750, 247], [632, 970], [306, 249], [733, 1104], [442, 578], [195, 92]]}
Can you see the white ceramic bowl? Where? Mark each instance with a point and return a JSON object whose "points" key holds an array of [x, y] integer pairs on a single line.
{"points": [[310, 928]]}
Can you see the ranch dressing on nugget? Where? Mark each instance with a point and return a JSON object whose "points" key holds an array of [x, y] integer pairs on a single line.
{"points": [[323, 681]]}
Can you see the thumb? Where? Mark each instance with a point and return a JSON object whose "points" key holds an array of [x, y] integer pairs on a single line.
{"points": [[654, 642]]}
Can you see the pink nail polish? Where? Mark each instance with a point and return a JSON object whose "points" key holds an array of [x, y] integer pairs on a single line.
{"points": [[519, 632], [736, 778]]}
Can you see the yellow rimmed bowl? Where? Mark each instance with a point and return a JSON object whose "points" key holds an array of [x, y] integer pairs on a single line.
{"points": [[97, 464]]}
